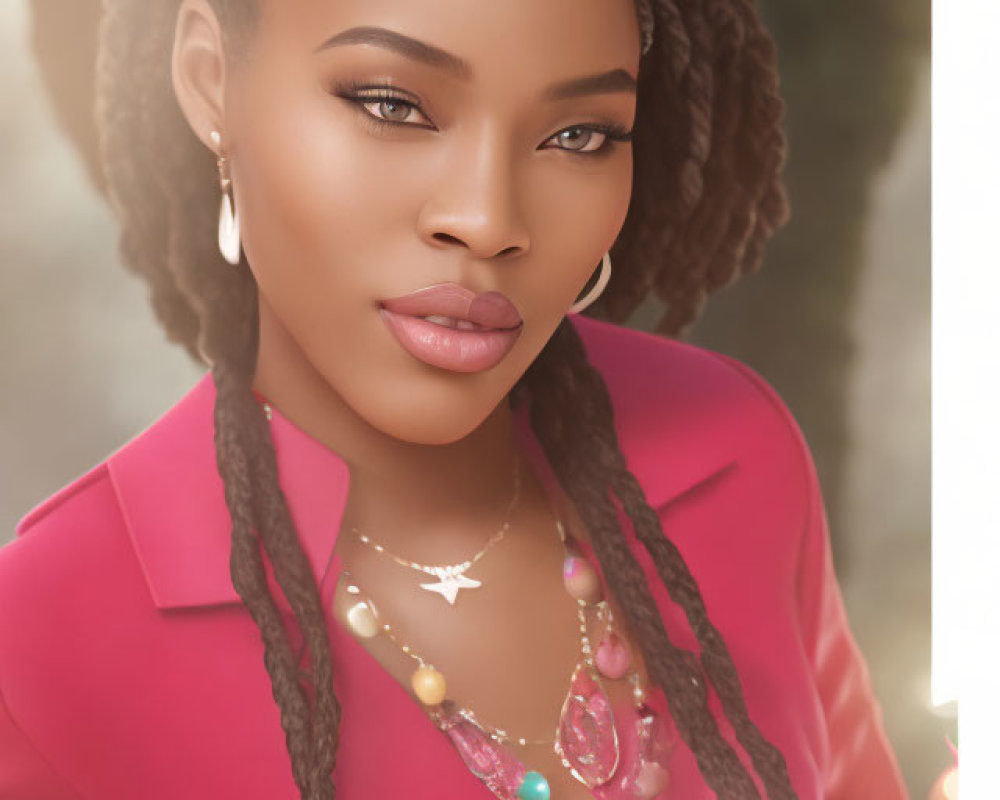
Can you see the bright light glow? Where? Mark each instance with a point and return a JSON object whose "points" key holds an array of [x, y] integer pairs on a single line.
{"points": [[950, 785], [966, 366]]}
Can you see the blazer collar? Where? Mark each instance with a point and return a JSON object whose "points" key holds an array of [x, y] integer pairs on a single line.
{"points": [[172, 500]]}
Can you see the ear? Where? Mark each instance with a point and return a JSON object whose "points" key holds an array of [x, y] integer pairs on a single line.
{"points": [[198, 67]]}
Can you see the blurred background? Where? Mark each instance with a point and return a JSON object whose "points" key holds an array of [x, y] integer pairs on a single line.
{"points": [[838, 319]]}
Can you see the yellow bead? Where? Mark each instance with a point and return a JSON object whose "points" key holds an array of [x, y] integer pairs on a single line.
{"points": [[428, 685]]}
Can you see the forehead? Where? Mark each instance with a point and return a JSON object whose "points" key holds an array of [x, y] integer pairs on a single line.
{"points": [[513, 39]]}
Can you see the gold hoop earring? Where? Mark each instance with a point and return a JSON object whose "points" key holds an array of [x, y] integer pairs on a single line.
{"points": [[597, 289], [229, 217]]}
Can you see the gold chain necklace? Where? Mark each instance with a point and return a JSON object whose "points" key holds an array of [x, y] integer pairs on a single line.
{"points": [[451, 577]]}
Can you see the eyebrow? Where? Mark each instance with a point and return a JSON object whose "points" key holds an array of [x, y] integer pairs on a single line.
{"points": [[615, 80], [404, 45]]}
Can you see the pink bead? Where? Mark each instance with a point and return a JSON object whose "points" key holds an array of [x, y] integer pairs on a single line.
{"points": [[581, 579], [651, 781], [613, 657]]}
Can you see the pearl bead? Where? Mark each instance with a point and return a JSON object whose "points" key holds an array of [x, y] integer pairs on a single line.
{"points": [[533, 787], [581, 579], [428, 685], [361, 619]]}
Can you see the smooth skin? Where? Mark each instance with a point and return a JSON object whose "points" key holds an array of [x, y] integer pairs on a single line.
{"points": [[471, 172]]}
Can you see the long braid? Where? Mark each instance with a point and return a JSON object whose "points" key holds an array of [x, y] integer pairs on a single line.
{"points": [[662, 140], [741, 208], [589, 465], [212, 306], [766, 142], [310, 727], [709, 149], [570, 378], [248, 575], [127, 113], [707, 191], [230, 343], [684, 287]]}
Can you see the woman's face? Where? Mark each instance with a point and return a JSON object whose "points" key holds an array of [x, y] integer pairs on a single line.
{"points": [[382, 146]]}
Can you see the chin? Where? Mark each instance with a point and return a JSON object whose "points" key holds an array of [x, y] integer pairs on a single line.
{"points": [[437, 415], [430, 427]]}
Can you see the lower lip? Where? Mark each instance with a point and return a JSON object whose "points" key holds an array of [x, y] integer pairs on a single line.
{"points": [[450, 348]]}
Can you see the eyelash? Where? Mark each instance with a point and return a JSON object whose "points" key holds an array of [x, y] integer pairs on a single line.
{"points": [[381, 93]]}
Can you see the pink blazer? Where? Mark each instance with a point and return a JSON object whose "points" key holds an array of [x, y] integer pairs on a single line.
{"points": [[130, 669]]}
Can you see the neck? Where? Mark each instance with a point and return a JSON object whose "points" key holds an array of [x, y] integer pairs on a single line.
{"points": [[398, 488]]}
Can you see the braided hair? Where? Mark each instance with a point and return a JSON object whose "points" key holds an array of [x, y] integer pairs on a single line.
{"points": [[707, 194]]}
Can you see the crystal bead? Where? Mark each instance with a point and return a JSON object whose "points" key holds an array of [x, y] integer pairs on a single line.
{"points": [[587, 739], [493, 765]]}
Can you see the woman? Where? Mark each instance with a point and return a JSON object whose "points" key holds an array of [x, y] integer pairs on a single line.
{"points": [[407, 428]]}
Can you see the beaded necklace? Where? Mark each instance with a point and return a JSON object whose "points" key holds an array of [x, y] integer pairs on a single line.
{"points": [[585, 738]]}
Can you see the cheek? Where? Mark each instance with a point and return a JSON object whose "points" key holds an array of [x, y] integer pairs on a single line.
{"points": [[578, 217], [327, 212], [301, 191]]}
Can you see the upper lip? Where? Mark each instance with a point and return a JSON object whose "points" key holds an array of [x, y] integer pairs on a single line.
{"points": [[488, 309]]}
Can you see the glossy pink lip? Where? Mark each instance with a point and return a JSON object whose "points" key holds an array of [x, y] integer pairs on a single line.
{"points": [[450, 348], [498, 325], [488, 310]]}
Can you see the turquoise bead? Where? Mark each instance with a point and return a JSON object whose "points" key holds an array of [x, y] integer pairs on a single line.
{"points": [[533, 787]]}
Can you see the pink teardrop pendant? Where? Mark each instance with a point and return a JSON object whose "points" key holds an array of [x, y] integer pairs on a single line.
{"points": [[581, 579], [493, 765], [587, 740], [613, 657]]}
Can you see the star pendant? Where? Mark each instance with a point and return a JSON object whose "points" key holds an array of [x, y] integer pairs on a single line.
{"points": [[450, 580]]}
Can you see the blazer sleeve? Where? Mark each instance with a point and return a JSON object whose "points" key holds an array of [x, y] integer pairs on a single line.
{"points": [[861, 760], [24, 773]]}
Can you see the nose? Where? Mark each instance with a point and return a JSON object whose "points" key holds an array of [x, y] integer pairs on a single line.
{"points": [[475, 202]]}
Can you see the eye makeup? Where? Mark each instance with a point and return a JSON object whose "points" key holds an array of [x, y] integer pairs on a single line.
{"points": [[362, 95], [383, 95]]}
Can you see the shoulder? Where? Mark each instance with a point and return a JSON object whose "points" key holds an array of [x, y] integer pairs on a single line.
{"points": [[68, 501], [65, 556], [98, 499], [79, 545], [684, 407], [60, 577], [60, 529]]}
